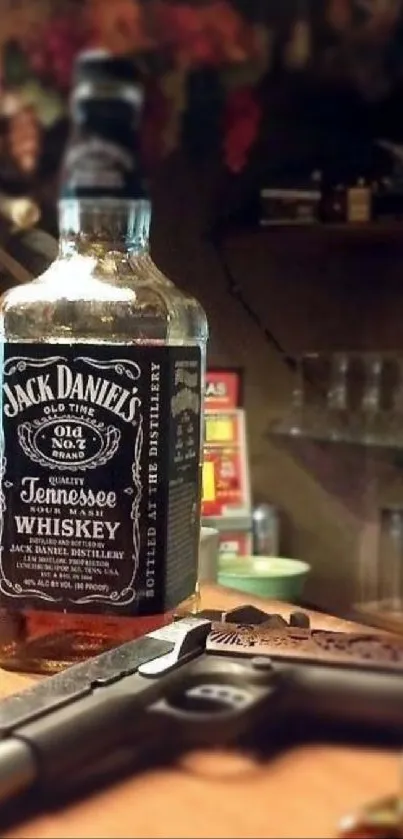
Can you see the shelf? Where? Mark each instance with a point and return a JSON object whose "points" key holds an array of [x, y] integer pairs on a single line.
{"points": [[335, 440], [370, 230], [380, 232]]}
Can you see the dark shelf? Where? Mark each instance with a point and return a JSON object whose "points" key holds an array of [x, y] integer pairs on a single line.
{"points": [[388, 232], [370, 230], [333, 440]]}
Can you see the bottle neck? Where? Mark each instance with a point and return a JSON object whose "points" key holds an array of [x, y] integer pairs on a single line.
{"points": [[101, 226]]}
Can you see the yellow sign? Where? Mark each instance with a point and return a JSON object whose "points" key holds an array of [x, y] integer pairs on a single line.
{"points": [[219, 430], [209, 493]]}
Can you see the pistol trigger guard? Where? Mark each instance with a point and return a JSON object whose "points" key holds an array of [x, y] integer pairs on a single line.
{"points": [[204, 713], [178, 723], [177, 728]]}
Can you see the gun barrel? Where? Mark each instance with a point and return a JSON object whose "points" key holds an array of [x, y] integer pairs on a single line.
{"points": [[350, 698], [18, 770]]}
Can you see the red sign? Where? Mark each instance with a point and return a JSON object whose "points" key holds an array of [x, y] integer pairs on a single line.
{"points": [[223, 389]]}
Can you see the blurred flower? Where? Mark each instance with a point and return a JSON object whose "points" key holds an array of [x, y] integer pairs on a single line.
{"points": [[118, 25], [52, 51], [298, 49], [241, 127], [339, 14], [10, 103], [155, 119], [24, 139], [200, 35], [24, 213], [175, 40], [228, 30], [174, 89]]}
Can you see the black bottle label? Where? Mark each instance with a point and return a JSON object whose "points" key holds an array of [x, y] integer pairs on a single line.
{"points": [[100, 477]]}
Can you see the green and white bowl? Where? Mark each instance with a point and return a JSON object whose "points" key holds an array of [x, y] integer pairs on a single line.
{"points": [[279, 578]]}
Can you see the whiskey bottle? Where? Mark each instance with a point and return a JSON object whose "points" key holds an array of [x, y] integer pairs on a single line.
{"points": [[101, 415]]}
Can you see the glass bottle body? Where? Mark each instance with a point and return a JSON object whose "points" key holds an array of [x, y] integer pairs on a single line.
{"points": [[103, 289]]}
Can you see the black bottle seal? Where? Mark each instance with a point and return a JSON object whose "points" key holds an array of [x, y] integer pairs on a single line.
{"points": [[102, 154]]}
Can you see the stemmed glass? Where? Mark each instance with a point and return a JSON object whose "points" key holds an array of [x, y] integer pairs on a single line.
{"points": [[296, 417], [371, 400], [394, 419], [347, 397], [390, 558], [293, 423], [337, 398]]}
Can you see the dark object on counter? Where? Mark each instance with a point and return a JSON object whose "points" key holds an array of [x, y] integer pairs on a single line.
{"points": [[289, 207], [210, 615], [194, 684], [359, 202], [285, 203], [300, 619], [275, 622], [252, 616], [245, 615]]}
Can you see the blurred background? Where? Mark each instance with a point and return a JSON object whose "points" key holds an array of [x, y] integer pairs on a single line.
{"points": [[262, 88]]}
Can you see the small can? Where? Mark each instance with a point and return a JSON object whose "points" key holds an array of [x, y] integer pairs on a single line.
{"points": [[266, 530]]}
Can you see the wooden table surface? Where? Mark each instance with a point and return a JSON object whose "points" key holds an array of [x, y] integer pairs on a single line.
{"points": [[302, 793]]}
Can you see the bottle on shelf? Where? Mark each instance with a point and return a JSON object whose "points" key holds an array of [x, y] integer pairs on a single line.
{"points": [[103, 364], [359, 202]]}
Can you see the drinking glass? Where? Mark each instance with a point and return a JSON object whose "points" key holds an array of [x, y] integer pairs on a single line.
{"points": [[394, 418], [373, 424], [390, 558], [337, 419], [351, 397], [292, 424]]}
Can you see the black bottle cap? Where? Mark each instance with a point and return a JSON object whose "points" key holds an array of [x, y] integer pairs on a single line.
{"points": [[103, 66], [102, 158]]}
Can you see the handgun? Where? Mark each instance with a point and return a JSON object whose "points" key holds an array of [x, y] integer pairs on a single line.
{"points": [[216, 679]]}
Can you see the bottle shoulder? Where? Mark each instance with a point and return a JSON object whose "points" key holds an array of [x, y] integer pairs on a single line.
{"points": [[113, 299]]}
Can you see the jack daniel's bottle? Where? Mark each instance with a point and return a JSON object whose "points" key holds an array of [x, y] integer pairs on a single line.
{"points": [[102, 383]]}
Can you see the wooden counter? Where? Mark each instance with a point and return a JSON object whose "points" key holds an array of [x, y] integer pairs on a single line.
{"points": [[301, 793]]}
